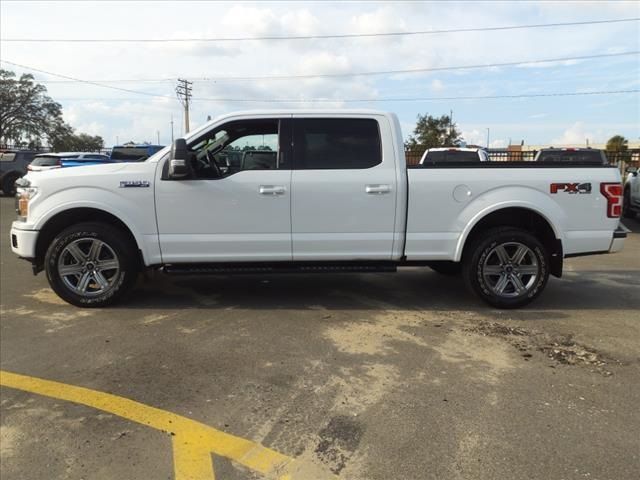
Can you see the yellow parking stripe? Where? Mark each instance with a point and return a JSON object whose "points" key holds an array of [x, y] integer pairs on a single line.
{"points": [[193, 442]]}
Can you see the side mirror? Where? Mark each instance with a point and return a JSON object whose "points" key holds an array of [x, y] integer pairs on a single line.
{"points": [[633, 170], [179, 160]]}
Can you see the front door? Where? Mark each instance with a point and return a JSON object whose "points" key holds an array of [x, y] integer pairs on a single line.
{"points": [[235, 206]]}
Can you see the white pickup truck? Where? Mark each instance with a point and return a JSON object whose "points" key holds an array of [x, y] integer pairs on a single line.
{"points": [[285, 191]]}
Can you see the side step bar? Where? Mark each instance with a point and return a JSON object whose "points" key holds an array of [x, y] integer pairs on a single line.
{"points": [[282, 267]]}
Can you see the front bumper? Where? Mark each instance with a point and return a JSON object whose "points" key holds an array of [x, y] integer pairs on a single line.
{"points": [[619, 235], [23, 242]]}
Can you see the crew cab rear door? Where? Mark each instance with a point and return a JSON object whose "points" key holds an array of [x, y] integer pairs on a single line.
{"points": [[343, 202]]}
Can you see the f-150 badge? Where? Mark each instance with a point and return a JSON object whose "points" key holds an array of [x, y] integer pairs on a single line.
{"points": [[579, 188], [135, 183]]}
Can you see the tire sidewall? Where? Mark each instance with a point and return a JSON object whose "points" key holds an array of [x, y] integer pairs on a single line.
{"points": [[111, 237], [483, 248]]}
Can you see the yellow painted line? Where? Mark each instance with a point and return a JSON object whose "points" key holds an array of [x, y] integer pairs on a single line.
{"points": [[193, 442]]}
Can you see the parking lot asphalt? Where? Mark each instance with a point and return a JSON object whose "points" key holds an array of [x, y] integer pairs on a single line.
{"points": [[362, 376]]}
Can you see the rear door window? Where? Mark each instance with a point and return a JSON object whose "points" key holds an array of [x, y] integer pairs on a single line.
{"points": [[336, 143], [7, 156]]}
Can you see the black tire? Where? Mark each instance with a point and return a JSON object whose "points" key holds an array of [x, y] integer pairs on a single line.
{"points": [[9, 184], [446, 268], [113, 247], [627, 212], [485, 274]]}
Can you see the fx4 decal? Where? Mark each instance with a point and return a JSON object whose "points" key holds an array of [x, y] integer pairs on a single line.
{"points": [[571, 187]]}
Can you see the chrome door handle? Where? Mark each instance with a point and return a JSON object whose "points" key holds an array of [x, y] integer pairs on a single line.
{"points": [[272, 190], [377, 189]]}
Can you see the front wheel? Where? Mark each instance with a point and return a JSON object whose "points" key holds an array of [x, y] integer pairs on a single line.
{"points": [[91, 264], [506, 267]]}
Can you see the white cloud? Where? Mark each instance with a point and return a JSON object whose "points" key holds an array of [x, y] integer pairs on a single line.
{"points": [[437, 85], [574, 135], [475, 137], [323, 63]]}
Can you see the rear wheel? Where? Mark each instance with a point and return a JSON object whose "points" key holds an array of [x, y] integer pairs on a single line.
{"points": [[506, 267], [91, 264]]}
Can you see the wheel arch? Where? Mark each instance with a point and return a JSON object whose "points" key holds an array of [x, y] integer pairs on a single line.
{"points": [[519, 216], [66, 218]]}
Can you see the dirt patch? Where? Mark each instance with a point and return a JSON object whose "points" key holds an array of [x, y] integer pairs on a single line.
{"points": [[376, 336], [568, 352], [484, 358], [562, 349], [358, 389], [9, 438], [493, 329], [46, 295]]}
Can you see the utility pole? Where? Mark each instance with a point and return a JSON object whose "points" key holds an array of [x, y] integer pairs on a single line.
{"points": [[183, 90], [158, 134], [487, 137], [172, 128]]}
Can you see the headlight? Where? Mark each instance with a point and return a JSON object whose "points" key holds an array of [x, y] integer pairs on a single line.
{"points": [[24, 193]]}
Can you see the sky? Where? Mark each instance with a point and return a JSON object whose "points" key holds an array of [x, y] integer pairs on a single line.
{"points": [[151, 70]]}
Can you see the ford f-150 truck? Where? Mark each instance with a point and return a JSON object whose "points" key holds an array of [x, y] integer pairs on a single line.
{"points": [[312, 192]]}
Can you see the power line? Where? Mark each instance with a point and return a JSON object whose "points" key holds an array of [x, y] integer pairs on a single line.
{"points": [[346, 74], [421, 70], [380, 100], [89, 82], [119, 80], [319, 37], [416, 99]]}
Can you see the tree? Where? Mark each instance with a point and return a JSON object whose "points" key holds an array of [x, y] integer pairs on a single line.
{"points": [[433, 132], [27, 114], [28, 117], [617, 143], [70, 142]]}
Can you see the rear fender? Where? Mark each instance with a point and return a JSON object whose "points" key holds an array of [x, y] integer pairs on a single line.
{"points": [[501, 198]]}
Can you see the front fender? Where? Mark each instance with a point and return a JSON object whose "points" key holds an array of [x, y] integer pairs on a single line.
{"points": [[135, 210]]}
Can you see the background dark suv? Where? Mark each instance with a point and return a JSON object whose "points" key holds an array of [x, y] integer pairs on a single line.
{"points": [[13, 165]]}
